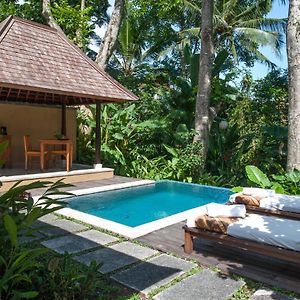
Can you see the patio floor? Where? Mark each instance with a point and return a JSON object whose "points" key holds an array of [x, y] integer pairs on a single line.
{"points": [[150, 272], [228, 259]]}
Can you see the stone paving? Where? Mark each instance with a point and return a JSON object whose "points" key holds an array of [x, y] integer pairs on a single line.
{"points": [[154, 273], [206, 285], [51, 225], [71, 243], [139, 267], [116, 256]]}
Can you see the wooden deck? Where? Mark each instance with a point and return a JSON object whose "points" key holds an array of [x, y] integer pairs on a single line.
{"points": [[78, 174], [228, 259]]}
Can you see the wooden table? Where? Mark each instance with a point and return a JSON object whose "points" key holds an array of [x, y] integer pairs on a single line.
{"points": [[53, 142]]}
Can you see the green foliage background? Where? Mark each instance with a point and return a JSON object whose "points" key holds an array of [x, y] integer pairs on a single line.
{"points": [[157, 57]]}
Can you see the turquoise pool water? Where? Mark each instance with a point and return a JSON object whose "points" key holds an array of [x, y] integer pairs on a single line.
{"points": [[139, 205]]}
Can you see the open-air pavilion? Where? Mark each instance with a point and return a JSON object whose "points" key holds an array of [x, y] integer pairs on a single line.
{"points": [[43, 76]]}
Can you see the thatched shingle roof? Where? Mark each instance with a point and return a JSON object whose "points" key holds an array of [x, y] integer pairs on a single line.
{"points": [[40, 65]]}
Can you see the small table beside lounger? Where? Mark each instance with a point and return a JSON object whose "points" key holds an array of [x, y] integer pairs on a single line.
{"points": [[68, 152]]}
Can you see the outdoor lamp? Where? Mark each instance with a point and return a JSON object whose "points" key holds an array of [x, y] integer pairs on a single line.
{"points": [[223, 125]]}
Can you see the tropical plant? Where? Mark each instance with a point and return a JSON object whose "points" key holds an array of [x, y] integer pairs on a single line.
{"points": [[260, 122], [29, 9], [61, 278], [75, 22], [286, 183], [18, 212]]}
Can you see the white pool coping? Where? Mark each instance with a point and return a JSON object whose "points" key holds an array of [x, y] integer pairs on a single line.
{"points": [[127, 231]]}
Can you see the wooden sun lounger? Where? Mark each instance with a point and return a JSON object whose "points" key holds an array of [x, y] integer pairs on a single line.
{"points": [[272, 251], [273, 212]]}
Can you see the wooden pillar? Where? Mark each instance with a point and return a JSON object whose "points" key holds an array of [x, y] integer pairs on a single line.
{"points": [[63, 119], [98, 134]]}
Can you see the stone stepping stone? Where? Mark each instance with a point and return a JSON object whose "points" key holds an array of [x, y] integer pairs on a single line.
{"points": [[116, 256], [263, 294], [51, 226], [34, 236], [73, 243], [206, 285], [97, 237], [149, 275]]}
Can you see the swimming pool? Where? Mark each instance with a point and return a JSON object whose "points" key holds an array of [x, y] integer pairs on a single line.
{"points": [[144, 207]]}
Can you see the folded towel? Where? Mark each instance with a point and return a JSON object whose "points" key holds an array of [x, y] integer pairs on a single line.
{"points": [[221, 210], [214, 224], [216, 210], [247, 200]]}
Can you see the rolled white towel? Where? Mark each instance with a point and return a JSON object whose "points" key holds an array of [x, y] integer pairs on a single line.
{"points": [[221, 210]]}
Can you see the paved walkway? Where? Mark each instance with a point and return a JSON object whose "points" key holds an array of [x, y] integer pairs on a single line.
{"points": [[154, 274]]}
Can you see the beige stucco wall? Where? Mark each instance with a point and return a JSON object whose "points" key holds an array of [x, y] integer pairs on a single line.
{"points": [[40, 122]]}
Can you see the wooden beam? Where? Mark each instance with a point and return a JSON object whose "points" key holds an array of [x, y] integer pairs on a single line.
{"points": [[63, 118], [98, 134]]}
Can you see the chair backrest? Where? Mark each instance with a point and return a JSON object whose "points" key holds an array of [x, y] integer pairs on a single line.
{"points": [[27, 144]]}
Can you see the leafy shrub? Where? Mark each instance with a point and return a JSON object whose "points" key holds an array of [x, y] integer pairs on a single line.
{"points": [[62, 278], [191, 160], [18, 211], [287, 183]]}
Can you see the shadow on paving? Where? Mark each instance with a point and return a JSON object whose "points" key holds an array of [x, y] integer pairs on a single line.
{"points": [[123, 260]]}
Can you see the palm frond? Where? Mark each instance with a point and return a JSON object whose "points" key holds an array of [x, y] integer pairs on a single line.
{"points": [[228, 6], [259, 8], [191, 6], [264, 60], [269, 24], [195, 32], [262, 38]]}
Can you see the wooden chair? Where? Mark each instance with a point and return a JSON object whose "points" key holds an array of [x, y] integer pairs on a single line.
{"points": [[64, 153], [29, 152]]}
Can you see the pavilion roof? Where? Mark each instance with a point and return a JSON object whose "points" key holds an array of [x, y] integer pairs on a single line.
{"points": [[38, 64]]}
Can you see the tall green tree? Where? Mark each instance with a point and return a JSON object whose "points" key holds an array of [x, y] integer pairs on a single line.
{"points": [[293, 49], [239, 28], [204, 85], [110, 38]]}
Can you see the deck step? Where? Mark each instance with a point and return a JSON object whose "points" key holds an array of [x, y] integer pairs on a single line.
{"points": [[69, 177]]}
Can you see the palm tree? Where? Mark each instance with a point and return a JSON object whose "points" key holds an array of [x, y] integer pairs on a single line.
{"points": [[205, 66], [130, 45], [109, 41], [240, 28], [293, 48]]}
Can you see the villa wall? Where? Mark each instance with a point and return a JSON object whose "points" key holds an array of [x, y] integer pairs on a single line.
{"points": [[40, 122]]}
